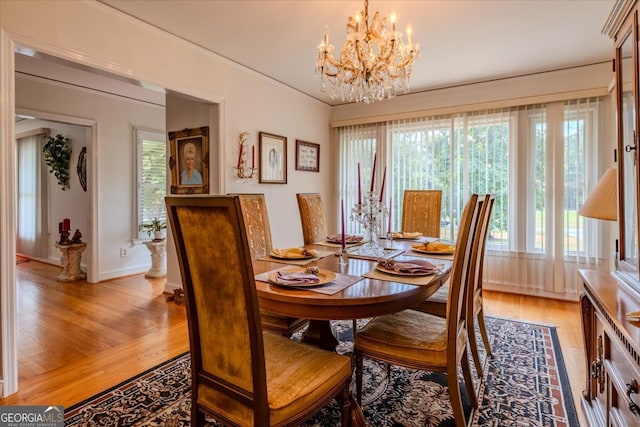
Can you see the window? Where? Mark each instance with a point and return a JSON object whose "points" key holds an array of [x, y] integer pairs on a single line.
{"points": [[537, 160], [151, 177]]}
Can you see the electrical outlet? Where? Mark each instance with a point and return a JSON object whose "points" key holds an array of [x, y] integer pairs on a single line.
{"points": [[124, 252]]}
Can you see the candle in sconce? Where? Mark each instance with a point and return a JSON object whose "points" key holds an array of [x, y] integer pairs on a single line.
{"points": [[384, 178], [253, 157], [240, 156], [359, 187], [66, 224], [342, 227], [60, 227], [373, 173]]}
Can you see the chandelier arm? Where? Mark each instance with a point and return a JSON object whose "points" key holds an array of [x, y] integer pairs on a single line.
{"points": [[372, 64]]}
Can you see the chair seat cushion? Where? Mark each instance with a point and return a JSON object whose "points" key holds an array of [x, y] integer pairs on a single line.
{"points": [[405, 336], [284, 325], [298, 375], [436, 304]]}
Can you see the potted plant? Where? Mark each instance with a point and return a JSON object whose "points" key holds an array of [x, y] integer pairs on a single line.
{"points": [[57, 155], [155, 226]]}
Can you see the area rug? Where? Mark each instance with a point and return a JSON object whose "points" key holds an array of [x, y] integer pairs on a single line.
{"points": [[525, 383]]}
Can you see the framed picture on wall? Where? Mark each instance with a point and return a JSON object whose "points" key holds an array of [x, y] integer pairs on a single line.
{"points": [[189, 161], [307, 156], [273, 159]]}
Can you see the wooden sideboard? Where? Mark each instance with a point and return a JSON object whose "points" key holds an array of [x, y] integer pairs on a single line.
{"points": [[612, 350]]}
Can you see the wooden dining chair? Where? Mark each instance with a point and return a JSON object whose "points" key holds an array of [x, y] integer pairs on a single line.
{"points": [[240, 374], [418, 340], [421, 211], [437, 303], [256, 219], [314, 228]]}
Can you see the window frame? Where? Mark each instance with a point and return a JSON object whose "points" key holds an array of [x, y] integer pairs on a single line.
{"points": [[140, 134]]}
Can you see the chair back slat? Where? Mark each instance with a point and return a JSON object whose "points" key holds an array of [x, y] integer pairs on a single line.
{"points": [[463, 268], [421, 211], [221, 302], [314, 228], [256, 220]]}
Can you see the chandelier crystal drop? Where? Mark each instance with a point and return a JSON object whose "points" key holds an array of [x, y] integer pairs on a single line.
{"points": [[373, 63]]}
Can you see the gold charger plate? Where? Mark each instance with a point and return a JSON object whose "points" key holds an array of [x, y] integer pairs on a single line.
{"points": [[401, 235], [424, 251], [400, 273], [279, 255], [325, 276]]}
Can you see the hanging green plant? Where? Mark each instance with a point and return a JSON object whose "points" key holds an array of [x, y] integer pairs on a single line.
{"points": [[57, 155]]}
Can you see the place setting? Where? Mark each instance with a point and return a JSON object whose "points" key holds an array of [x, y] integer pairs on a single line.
{"points": [[295, 255], [405, 270], [435, 248], [335, 240], [309, 278]]}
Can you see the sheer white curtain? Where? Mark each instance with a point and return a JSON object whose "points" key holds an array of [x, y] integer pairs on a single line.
{"points": [[540, 162], [29, 228]]}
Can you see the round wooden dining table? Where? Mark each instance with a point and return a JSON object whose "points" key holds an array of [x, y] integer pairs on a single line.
{"points": [[364, 299]]}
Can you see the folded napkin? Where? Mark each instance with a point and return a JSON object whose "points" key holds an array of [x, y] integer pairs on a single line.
{"points": [[295, 252], [296, 278], [348, 238], [415, 266], [436, 246], [406, 234]]}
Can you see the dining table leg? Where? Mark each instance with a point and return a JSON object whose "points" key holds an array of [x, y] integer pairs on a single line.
{"points": [[319, 334]]}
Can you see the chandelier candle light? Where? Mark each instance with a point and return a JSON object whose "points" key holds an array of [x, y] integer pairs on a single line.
{"points": [[243, 171], [373, 63]]}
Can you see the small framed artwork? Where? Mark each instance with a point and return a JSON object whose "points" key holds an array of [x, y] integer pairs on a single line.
{"points": [[307, 156], [189, 161], [273, 159]]}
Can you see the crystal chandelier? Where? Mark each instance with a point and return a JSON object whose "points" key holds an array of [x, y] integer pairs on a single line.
{"points": [[373, 63]]}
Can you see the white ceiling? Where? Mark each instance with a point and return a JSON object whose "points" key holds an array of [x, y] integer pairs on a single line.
{"points": [[461, 41]]}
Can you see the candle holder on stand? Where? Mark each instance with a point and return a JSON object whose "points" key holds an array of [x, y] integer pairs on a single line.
{"points": [[244, 172], [370, 214]]}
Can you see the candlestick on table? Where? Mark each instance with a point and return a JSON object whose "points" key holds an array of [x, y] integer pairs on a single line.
{"points": [[384, 178], [373, 173], [390, 208], [343, 236], [66, 224], [359, 188]]}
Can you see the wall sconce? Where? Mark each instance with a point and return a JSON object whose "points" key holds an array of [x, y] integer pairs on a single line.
{"points": [[244, 171]]}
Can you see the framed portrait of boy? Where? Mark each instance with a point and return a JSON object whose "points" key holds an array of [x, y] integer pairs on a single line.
{"points": [[189, 161]]}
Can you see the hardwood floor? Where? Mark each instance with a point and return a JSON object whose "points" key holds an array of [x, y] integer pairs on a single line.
{"points": [[77, 339]]}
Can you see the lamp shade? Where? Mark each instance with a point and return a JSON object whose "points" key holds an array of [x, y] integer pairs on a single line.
{"points": [[602, 202]]}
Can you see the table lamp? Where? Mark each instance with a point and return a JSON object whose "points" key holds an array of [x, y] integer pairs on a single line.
{"points": [[602, 202]]}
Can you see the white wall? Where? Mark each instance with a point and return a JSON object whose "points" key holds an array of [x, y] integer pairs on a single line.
{"points": [[72, 203], [115, 119], [97, 36], [525, 90]]}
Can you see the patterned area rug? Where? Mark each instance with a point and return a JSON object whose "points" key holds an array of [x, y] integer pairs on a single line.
{"points": [[525, 383]]}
